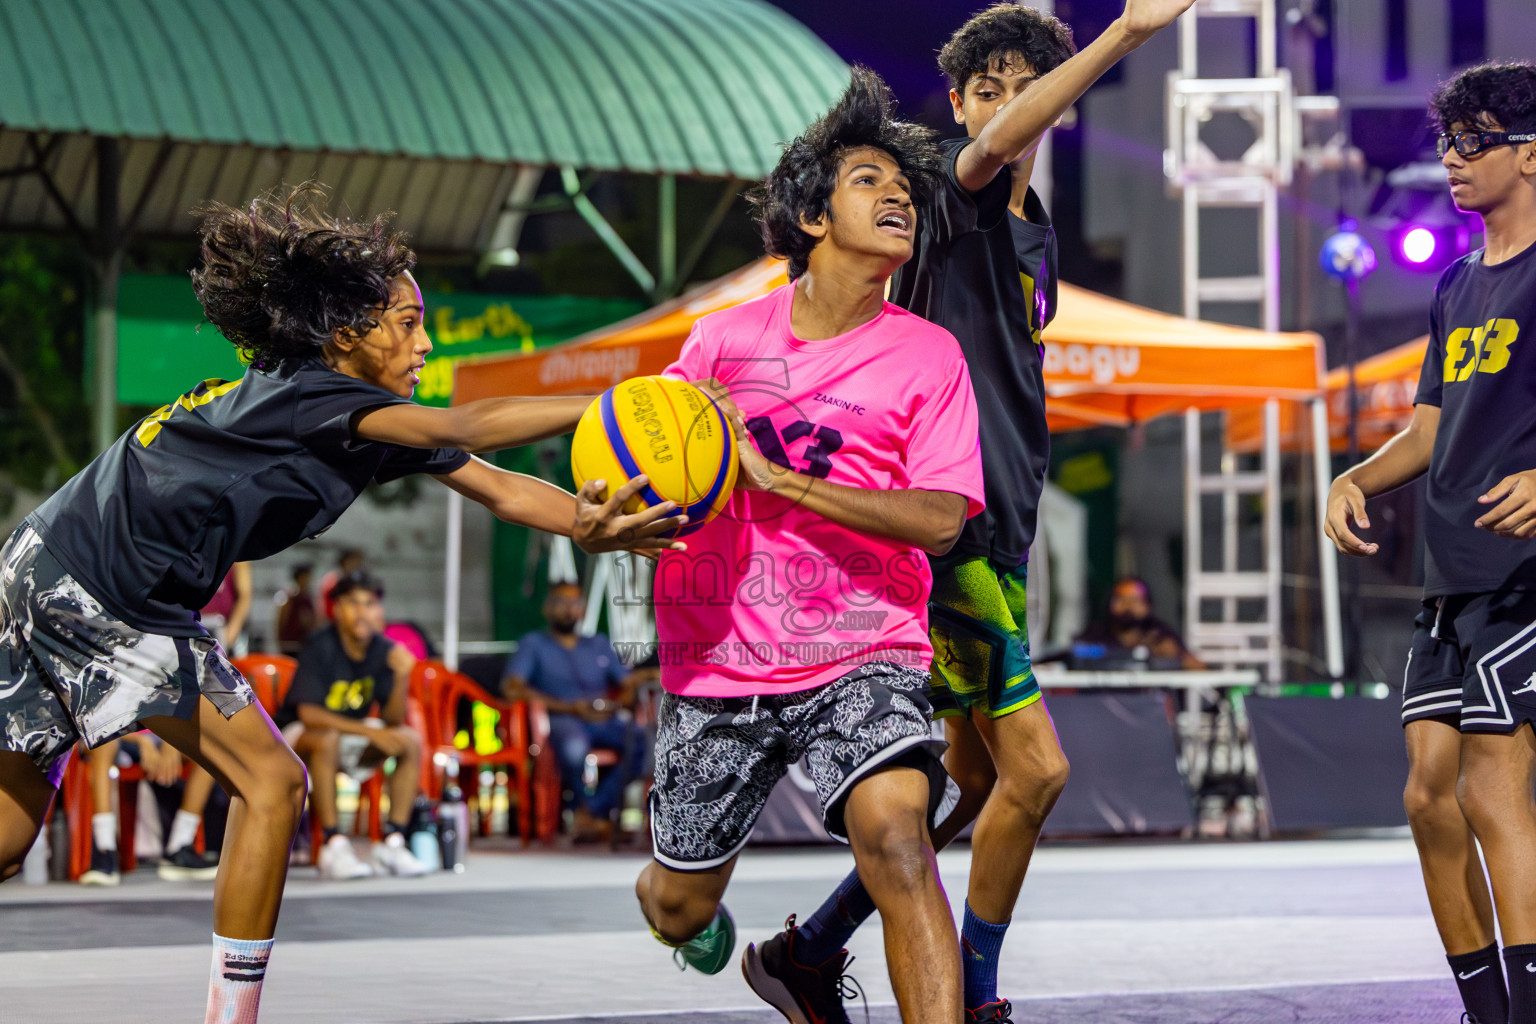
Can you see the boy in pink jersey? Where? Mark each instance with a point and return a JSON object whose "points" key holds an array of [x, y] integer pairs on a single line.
{"points": [[796, 623]]}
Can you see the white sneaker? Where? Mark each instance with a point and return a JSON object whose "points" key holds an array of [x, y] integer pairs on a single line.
{"points": [[339, 863], [393, 857]]}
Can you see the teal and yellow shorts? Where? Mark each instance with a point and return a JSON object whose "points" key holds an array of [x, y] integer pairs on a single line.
{"points": [[980, 639]]}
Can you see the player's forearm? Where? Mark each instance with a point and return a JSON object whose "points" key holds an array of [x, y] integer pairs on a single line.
{"points": [[1019, 123], [495, 423], [1402, 459], [923, 519], [529, 501]]}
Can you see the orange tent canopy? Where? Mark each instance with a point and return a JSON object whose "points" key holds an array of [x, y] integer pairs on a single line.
{"points": [[1106, 361], [1386, 384]]}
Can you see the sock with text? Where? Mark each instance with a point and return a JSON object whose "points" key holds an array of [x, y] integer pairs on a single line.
{"points": [[234, 984]]}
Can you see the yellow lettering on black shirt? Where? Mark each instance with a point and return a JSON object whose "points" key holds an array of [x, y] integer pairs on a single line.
{"points": [[350, 695], [1482, 349], [204, 393]]}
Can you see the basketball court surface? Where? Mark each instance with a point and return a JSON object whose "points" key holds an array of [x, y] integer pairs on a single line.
{"points": [[1296, 932]]}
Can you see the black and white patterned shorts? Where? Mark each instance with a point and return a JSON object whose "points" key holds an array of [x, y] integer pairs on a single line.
{"points": [[718, 758], [1472, 662], [70, 671]]}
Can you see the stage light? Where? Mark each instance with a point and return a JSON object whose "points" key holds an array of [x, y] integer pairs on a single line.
{"points": [[1418, 245]]}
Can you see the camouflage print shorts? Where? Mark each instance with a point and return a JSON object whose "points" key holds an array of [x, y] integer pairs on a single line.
{"points": [[71, 671]]}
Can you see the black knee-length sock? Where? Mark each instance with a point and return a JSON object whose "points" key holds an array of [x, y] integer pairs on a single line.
{"points": [[1480, 977], [1520, 961]]}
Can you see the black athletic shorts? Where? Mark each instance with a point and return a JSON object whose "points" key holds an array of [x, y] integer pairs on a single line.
{"points": [[1472, 662], [718, 758]]}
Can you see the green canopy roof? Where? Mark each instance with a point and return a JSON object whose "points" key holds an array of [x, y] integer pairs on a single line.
{"points": [[425, 107], [690, 87]]}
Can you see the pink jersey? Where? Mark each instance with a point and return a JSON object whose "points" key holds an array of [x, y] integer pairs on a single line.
{"points": [[770, 598]]}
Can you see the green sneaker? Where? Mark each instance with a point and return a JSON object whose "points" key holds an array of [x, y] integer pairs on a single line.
{"points": [[709, 951]]}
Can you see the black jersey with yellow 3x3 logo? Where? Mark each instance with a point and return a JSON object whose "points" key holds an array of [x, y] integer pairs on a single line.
{"points": [[989, 278], [1480, 369], [328, 676], [231, 471]]}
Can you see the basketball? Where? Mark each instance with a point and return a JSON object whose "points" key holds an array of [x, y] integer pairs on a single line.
{"points": [[667, 429]]}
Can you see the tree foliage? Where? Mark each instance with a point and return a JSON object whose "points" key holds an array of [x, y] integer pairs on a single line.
{"points": [[44, 418]]}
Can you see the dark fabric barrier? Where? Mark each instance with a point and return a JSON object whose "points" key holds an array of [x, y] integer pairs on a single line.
{"points": [[1125, 775], [1327, 763], [1125, 771]]}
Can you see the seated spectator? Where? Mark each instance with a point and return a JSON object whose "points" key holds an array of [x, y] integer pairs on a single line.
{"points": [[162, 767], [297, 616], [576, 677], [1133, 632], [344, 670]]}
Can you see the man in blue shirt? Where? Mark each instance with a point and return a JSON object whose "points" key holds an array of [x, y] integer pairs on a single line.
{"points": [[575, 677]]}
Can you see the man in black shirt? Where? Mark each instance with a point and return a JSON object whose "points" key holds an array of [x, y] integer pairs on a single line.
{"points": [[345, 712], [984, 268], [99, 587], [1469, 692]]}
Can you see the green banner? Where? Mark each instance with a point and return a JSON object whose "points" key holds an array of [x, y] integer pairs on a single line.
{"points": [[164, 347]]}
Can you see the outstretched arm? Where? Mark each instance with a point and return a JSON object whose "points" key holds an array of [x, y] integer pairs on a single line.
{"points": [[1019, 124], [1400, 460], [487, 425], [594, 525]]}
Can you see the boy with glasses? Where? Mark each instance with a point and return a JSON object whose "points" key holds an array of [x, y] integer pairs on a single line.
{"points": [[1469, 691]]}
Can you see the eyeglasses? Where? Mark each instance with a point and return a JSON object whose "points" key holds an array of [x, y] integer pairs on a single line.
{"points": [[1472, 143]]}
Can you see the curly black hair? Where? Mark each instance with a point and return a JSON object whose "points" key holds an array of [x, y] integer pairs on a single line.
{"points": [[1005, 34], [281, 276], [806, 176], [1504, 93]]}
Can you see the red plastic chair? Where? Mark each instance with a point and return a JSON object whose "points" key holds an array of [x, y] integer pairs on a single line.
{"points": [[441, 689], [75, 801], [548, 789], [271, 676]]}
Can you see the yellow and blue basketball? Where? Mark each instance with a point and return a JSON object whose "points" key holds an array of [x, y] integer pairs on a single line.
{"points": [[667, 429]]}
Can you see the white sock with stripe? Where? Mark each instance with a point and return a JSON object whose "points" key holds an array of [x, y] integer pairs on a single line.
{"points": [[234, 984]]}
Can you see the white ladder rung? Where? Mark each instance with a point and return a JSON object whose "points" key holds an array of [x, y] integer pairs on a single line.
{"points": [[1237, 483], [1232, 584], [1231, 289]]}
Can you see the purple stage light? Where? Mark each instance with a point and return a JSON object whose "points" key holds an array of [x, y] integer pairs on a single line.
{"points": [[1418, 245]]}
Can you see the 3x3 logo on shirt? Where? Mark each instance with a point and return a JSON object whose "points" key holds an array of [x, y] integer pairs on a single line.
{"points": [[1482, 349]]}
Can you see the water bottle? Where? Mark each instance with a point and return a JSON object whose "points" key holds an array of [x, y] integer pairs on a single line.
{"points": [[424, 844], [453, 823]]}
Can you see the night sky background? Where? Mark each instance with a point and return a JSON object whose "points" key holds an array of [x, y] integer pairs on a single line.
{"points": [[901, 38]]}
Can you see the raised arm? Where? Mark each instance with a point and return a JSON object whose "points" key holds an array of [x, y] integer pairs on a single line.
{"points": [[1404, 458], [1021, 121], [487, 425]]}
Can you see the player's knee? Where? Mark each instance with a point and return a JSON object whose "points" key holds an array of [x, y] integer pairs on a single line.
{"points": [[277, 787], [1427, 806], [895, 851], [11, 869], [1483, 802], [676, 913], [1034, 792]]}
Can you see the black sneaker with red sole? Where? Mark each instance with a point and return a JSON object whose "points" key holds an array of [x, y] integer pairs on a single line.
{"points": [[804, 995]]}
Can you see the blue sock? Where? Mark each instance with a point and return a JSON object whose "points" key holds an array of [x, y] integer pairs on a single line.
{"points": [[980, 944], [834, 922]]}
